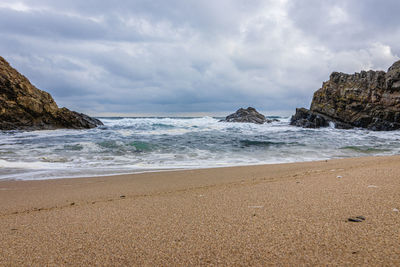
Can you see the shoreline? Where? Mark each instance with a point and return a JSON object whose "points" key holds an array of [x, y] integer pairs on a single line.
{"points": [[178, 169], [286, 213]]}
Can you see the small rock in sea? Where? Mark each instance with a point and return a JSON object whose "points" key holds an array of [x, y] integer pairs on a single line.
{"points": [[395, 210], [247, 115]]}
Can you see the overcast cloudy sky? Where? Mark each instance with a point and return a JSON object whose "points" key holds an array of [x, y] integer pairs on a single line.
{"points": [[188, 57]]}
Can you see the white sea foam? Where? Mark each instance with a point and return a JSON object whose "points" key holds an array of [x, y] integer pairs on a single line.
{"points": [[130, 145], [38, 165]]}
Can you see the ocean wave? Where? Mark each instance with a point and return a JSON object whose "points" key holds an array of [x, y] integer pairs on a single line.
{"points": [[248, 143], [365, 149], [127, 145]]}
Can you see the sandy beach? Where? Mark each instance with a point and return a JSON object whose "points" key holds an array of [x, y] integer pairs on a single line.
{"points": [[286, 214]]}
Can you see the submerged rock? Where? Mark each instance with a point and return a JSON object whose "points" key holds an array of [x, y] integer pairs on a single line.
{"points": [[250, 115], [369, 99], [24, 107]]}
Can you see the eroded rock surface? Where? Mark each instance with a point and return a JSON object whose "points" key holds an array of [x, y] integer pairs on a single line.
{"points": [[24, 107], [250, 115], [369, 99]]}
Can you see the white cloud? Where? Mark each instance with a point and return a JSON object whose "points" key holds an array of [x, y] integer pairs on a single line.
{"points": [[338, 15], [17, 6]]}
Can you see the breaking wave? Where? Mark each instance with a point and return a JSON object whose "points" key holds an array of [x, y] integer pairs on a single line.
{"points": [[129, 145]]}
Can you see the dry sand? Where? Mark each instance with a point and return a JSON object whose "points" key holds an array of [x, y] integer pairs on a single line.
{"points": [[287, 214]]}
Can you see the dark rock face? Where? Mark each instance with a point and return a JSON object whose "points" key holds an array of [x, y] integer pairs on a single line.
{"points": [[307, 119], [369, 99], [247, 115], [392, 79], [24, 107]]}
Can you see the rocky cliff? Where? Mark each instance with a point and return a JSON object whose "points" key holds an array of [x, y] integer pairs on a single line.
{"points": [[369, 99], [24, 107]]}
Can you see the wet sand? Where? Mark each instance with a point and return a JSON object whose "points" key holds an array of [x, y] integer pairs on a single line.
{"points": [[285, 214]]}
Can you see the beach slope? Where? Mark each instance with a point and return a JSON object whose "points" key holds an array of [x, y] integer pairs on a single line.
{"points": [[257, 215]]}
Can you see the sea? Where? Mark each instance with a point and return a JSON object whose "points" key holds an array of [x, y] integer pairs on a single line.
{"points": [[136, 145]]}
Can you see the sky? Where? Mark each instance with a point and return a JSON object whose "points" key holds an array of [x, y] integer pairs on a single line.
{"points": [[194, 58]]}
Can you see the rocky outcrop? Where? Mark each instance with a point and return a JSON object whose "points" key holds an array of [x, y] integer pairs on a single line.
{"points": [[250, 115], [310, 119], [369, 99], [24, 107], [307, 119]]}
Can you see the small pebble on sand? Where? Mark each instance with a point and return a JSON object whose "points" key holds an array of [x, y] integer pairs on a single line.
{"points": [[356, 219]]}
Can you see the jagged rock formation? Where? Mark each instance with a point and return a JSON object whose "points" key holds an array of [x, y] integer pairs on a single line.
{"points": [[247, 115], [369, 99], [24, 107], [305, 118]]}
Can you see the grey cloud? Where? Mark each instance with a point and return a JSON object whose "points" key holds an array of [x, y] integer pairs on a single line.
{"points": [[194, 56], [48, 25], [347, 24], [198, 14]]}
